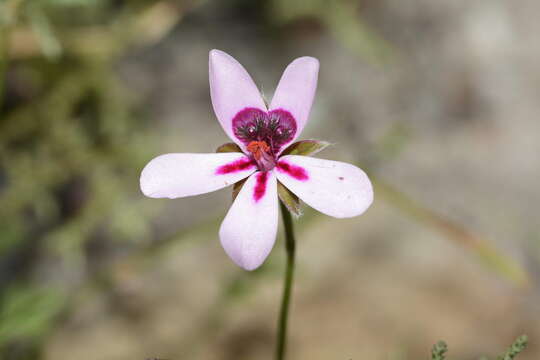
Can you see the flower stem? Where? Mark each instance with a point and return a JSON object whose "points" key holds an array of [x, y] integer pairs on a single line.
{"points": [[288, 282]]}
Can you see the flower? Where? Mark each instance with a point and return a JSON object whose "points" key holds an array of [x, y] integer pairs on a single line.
{"points": [[264, 156]]}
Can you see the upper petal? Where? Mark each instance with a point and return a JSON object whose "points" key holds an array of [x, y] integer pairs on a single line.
{"points": [[248, 232], [178, 175], [296, 90], [231, 90], [334, 188]]}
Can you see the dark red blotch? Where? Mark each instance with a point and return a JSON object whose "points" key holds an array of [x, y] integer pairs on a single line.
{"points": [[276, 127], [260, 186], [297, 172], [235, 166]]}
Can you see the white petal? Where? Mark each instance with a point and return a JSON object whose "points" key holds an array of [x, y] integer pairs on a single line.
{"points": [[248, 232], [178, 175], [231, 90], [334, 188], [296, 90]]}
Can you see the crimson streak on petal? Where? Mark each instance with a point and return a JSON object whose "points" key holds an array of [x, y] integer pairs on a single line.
{"points": [[297, 172], [235, 166], [260, 186]]}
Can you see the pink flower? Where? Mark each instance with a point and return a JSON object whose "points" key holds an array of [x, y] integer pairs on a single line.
{"points": [[248, 232]]}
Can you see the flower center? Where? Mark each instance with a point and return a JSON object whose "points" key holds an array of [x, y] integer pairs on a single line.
{"points": [[262, 155]]}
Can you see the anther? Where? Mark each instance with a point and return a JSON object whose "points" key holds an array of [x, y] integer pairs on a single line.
{"points": [[258, 148], [262, 154]]}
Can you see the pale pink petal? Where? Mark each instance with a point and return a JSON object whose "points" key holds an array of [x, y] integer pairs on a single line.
{"points": [[178, 175], [296, 90], [334, 188], [248, 232], [231, 90]]}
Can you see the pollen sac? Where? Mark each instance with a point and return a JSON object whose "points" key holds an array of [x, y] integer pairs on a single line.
{"points": [[262, 155], [258, 148], [275, 128]]}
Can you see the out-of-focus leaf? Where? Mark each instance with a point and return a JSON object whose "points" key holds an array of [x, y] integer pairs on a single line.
{"points": [[157, 21], [8, 11], [290, 200], [42, 28], [143, 28], [228, 147], [11, 233], [306, 147], [29, 312], [517, 347], [439, 350]]}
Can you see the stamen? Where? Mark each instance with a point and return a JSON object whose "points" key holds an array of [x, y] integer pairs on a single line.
{"points": [[262, 153], [258, 148]]}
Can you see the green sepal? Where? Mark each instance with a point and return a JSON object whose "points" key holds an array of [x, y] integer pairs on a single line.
{"points": [[439, 350], [237, 187], [290, 200], [228, 147], [305, 147]]}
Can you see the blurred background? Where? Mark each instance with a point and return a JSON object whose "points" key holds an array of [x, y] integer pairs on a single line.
{"points": [[437, 100]]}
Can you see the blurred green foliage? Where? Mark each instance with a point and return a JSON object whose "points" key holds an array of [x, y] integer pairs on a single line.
{"points": [[439, 350], [72, 144], [28, 313], [516, 348]]}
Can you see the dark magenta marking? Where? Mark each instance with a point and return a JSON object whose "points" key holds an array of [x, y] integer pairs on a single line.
{"points": [[276, 127], [235, 166], [297, 172], [260, 186]]}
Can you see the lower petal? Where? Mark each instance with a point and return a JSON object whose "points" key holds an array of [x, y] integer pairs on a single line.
{"points": [[248, 232], [334, 188], [179, 175]]}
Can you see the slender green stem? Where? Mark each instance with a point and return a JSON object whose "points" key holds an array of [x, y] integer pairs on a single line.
{"points": [[287, 285]]}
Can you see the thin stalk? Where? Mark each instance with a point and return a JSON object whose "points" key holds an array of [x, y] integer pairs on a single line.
{"points": [[488, 253], [287, 285]]}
